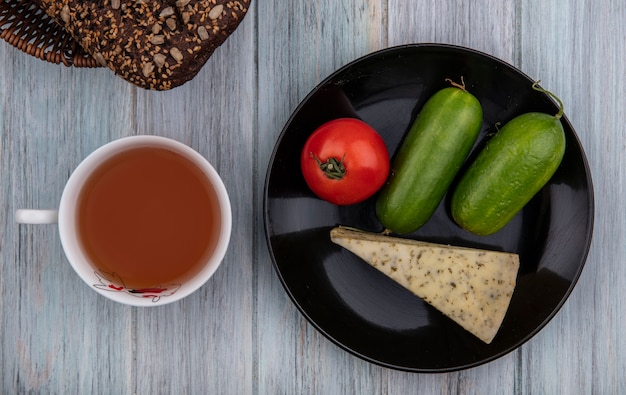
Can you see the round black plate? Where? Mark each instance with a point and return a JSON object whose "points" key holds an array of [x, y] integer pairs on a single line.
{"points": [[353, 304]]}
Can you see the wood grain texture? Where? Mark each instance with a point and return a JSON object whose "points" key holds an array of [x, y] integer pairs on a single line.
{"points": [[240, 333], [209, 333], [307, 42], [485, 25], [577, 51], [50, 320]]}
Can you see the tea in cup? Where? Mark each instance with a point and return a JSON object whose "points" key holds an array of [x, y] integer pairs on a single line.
{"points": [[144, 220]]}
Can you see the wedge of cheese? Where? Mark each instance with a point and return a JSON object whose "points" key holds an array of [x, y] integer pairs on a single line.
{"points": [[472, 287]]}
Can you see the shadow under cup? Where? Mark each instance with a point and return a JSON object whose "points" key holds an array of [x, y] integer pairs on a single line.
{"points": [[145, 220]]}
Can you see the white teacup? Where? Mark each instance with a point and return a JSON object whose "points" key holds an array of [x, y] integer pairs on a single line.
{"points": [[111, 284]]}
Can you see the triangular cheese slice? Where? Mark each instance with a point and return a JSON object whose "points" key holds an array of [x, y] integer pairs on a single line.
{"points": [[472, 287]]}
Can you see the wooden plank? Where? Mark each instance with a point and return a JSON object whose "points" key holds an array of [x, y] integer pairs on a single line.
{"points": [[204, 343], [303, 44], [485, 25], [577, 50], [57, 335]]}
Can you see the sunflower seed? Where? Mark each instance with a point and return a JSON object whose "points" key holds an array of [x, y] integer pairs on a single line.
{"points": [[168, 11], [202, 33], [216, 11], [176, 54], [171, 23], [148, 68], [157, 40], [100, 59], [159, 60], [65, 13]]}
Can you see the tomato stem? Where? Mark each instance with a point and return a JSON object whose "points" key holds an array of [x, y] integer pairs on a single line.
{"points": [[332, 168]]}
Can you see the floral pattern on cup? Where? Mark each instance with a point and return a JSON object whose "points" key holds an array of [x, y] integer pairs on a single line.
{"points": [[113, 282]]}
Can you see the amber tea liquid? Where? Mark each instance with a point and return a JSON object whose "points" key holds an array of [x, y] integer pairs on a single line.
{"points": [[150, 215]]}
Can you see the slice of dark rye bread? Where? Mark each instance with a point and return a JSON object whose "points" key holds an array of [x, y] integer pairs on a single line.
{"points": [[153, 44]]}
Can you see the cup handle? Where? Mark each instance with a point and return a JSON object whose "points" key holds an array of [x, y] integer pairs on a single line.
{"points": [[28, 216]]}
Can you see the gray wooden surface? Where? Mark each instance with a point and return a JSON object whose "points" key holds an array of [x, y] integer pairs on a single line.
{"points": [[240, 334]]}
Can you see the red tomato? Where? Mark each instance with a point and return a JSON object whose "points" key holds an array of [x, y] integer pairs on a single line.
{"points": [[345, 161]]}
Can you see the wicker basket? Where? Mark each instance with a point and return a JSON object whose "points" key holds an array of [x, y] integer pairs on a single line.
{"points": [[27, 27]]}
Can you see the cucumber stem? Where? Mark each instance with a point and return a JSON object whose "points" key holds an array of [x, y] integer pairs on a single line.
{"points": [[555, 97], [456, 84]]}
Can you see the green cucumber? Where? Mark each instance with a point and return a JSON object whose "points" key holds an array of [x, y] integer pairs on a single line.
{"points": [[512, 167], [429, 158]]}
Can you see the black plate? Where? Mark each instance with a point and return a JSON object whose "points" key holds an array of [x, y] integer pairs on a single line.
{"points": [[360, 309]]}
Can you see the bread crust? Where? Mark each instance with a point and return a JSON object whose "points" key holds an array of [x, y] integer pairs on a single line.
{"points": [[155, 45]]}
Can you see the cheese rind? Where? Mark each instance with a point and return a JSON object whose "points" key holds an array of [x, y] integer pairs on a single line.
{"points": [[472, 287]]}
